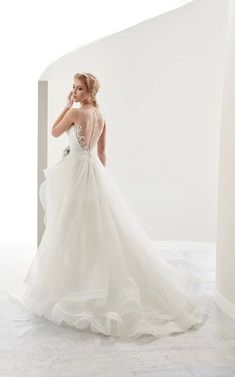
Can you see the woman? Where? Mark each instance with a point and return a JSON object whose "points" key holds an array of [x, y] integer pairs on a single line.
{"points": [[95, 266]]}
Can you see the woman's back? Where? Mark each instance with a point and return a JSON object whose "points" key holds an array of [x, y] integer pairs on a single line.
{"points": [[88, 127]]}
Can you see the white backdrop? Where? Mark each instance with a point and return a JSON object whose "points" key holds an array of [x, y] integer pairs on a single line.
{"points": [[34, 35], [161, 87]]}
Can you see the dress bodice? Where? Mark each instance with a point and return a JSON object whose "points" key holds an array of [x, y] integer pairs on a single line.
{"points": [[74, 144], [83, 137]]}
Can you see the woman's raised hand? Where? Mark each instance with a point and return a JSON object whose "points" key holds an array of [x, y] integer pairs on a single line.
{"points": [[70, 99]]}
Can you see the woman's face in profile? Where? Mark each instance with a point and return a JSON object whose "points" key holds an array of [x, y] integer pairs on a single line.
{"points": [[80, 91]]}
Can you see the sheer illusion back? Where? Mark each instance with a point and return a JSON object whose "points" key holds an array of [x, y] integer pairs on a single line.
{"points": [[89, 129]]}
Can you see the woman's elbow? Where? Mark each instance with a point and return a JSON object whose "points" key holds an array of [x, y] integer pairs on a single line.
{"points": [[102, 157]]}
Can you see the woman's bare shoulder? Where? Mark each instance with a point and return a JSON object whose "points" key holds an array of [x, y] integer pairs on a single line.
{"points": [[78, 114], [82, 115]]}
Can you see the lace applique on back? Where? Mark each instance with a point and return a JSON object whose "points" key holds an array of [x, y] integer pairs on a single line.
{"points": [[89, 133]]}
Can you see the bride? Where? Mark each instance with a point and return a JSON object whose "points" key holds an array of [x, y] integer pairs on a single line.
{"points": [[95, 266]]}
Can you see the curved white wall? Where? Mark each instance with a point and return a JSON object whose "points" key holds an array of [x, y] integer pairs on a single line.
{"points": [[225, 257], [161, 88]]}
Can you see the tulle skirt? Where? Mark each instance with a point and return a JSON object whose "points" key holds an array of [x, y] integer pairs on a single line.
{"points": [[95, 265]]}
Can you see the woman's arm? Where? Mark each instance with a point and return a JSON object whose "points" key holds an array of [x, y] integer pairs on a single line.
{"points": [[101, 146], [60, 117], [64, 121]]}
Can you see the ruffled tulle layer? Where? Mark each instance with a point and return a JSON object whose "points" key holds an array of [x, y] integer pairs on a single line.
{"points": [[96, 267], [127, 318]]}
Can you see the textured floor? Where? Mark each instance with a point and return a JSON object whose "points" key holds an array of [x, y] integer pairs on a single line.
{"points": [[34, 347]]}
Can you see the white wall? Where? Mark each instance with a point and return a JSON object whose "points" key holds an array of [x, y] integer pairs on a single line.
{"points": [[225, 253], [38, 37], [161, 94]]}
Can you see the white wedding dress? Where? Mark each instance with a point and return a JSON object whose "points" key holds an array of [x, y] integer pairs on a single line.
{"points": [[95, 266]]}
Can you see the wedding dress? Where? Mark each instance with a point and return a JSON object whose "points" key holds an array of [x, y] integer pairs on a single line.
{"points": [[95, 265]]}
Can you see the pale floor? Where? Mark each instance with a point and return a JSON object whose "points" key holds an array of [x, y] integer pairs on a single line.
{"points": [[34, 347]]}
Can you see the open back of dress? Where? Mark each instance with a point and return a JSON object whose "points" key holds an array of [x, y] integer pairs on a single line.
{"points": [[89, 130]]}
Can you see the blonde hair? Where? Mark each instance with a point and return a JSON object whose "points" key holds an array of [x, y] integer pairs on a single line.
{"points": [[92, 85]]}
